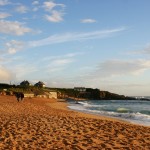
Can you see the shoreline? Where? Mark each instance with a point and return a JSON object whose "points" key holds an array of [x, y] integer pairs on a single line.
{"points": [[130, 121], [39, 123], [64, 106]]}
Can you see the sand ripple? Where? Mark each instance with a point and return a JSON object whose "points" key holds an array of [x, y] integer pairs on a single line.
{"points": [[33, 125]]}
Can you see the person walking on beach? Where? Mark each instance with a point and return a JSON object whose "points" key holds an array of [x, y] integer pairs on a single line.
{"points": [[21, 96], [18, 96]]}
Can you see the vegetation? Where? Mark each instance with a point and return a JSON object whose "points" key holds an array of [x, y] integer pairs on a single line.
{"points": [[89, 93], [19, 88]]}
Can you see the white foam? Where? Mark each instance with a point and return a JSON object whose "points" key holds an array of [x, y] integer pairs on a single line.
{"points": [[133, 111], [86, 104], [122, 110], [132, 117]]}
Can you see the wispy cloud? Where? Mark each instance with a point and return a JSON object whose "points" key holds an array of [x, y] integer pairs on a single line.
{"points": [[114, 68], [35, 3], [24, 69], [21, 9], [52, 65], [4, 2], [36, 6], [108, 75], [67, 37], [49, 6], [5, 74], [55, 16], [57, 57], [145, 50], [35, 9], [56, 11], [59, 63], [13, 27], [4, 15], [88, 20], [13, 46]]}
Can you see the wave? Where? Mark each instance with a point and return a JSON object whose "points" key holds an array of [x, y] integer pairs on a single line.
{"points": [[86, 104], [122, 113], [122, 110]]}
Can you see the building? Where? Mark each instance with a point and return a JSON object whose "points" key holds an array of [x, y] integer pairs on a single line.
{"points": [[25, 83], [40, 84], [30, 95], [52, 94], [80, 89]]}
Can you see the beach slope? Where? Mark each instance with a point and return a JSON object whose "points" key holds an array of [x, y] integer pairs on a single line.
{"points": [[40, 123]]}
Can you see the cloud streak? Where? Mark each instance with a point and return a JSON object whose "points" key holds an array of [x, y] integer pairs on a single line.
{"points": [[13, 46], [55, 16], [4, 2], [5, 75], [88, 21], [22, 70], [59, 63], [48, 6], [68, 37], [4, 15], [145, 50], [114, 68], [21, 9], [35, 3], [13, 28], [56, 11]]}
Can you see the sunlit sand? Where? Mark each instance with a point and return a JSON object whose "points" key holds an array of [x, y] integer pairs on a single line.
{"points": [[40, 123]]}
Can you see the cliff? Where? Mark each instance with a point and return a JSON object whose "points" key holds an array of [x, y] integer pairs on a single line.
{"points": [[87, 93], [109, 96], [96, 94]]}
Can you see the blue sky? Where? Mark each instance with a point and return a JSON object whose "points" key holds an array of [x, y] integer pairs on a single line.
{"points": [[67, 43]]}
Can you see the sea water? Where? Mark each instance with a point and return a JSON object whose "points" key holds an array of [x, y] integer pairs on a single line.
{"points": [[134, 111]]}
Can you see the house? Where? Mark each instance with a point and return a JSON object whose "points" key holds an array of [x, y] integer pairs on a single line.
{"points": [[80, 89], [39, 84], [52, 94], [25, 83], [30, 95]]}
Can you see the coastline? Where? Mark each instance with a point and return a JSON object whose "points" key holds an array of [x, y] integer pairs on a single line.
{"points": [[63, 105], [113, 109], [40, 123]]}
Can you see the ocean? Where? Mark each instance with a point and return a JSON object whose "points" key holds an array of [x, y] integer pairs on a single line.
{"points": [[134, 111]]}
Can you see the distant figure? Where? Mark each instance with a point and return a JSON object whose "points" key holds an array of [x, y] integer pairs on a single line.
{"points": [[21, 96], [18, 96]]}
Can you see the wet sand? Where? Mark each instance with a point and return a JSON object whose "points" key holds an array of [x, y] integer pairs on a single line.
{"points": [[45, 124]]}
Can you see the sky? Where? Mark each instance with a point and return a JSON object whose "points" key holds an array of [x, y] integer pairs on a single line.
{"points": [[100, 44]]}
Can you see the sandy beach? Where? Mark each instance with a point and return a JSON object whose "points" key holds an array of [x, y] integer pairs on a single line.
{"points": [[46, 124]]}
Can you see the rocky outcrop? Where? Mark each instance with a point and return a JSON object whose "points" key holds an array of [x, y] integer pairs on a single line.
{"points": [[109, 96], [96, 94]]}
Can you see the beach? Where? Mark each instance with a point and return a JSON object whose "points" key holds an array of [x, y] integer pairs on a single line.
{"points": [[40, 123]]}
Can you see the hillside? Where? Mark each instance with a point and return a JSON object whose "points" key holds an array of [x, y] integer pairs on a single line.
{"points": [[88, 93]]}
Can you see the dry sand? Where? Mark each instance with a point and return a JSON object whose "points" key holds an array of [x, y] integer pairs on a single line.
{"points": [[45, 124]]}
